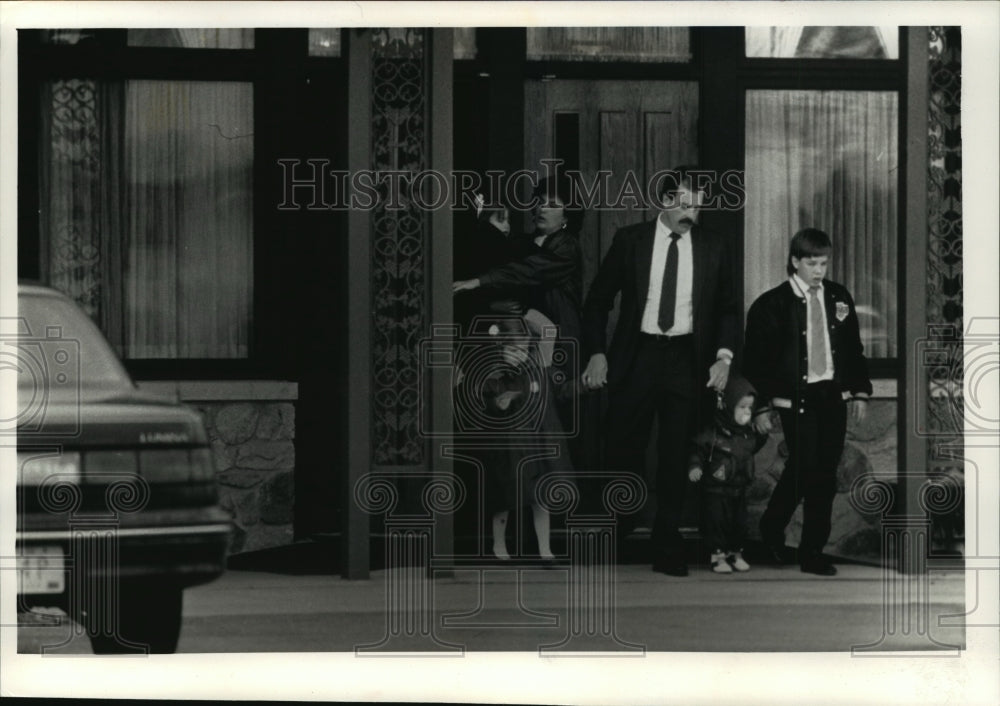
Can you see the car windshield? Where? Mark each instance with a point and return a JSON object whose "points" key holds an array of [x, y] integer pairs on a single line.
{"points": [[57, 349]]}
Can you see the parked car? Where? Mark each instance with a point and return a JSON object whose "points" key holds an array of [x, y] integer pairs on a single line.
{"points": [[117, 504]]}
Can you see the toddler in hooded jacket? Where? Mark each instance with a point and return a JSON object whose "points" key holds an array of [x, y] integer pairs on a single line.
{"points": [[722, 460]]}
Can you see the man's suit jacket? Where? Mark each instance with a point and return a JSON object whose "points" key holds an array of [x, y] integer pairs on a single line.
{"points": [[625, 270], [776, 357]]}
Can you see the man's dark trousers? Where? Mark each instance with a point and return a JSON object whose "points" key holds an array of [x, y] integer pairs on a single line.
{"points": [[660, 383], [815, 440]]}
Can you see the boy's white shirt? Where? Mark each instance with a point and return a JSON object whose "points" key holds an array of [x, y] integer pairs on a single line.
{"points": [[800, 287]]}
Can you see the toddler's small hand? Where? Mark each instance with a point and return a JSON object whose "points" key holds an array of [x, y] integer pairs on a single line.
{"points": [[762, 423], [694, 475]]}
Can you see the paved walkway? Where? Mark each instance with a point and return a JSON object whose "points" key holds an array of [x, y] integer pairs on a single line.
{"points": [[767, 609]]}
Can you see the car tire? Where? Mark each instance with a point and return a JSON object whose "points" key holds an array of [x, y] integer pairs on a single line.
{"points": [[149, 620]]}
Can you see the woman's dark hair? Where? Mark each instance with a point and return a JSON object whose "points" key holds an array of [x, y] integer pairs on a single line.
{"points": [[808, 242], [562, 186]]}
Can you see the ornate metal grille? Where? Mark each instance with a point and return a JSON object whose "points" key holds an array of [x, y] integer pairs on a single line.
{"points": [[73, 200], [944, 267], [399, 145]]}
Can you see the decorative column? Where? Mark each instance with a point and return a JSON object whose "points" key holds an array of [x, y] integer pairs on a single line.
{"points": [[399, 275], [410, 614], [93, 561], [592, 539], [906, 599]]}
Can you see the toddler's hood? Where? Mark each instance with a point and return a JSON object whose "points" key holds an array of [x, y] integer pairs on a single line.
{"points": [[737, 388]]}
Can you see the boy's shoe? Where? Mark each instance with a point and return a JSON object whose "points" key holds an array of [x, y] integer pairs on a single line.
{"points": [[671, 566], [720, 565], [819, 565], [736, 560]]}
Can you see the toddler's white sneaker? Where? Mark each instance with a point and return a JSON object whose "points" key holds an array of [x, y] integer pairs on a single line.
{"points": [[736, 560], [720, 565]]}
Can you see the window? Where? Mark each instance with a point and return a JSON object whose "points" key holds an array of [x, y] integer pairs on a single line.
{"points": [[146, 207], [67, 36], [324, 41], [822, 42], [465, 43], [190, 38], [829, 160], [639, 44]]}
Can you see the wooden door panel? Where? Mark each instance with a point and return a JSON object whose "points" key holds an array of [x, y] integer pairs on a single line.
{"points": [[645, 126]]}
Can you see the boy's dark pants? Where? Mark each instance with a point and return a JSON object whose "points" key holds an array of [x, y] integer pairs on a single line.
{"points": [[815, 440], [723, 520]]}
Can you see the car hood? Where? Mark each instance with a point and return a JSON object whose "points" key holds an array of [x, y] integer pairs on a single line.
{"points": [[123, 419]]}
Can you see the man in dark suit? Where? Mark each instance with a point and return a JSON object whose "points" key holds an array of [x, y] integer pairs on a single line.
{"points": [[804, 355], [677, 327]]}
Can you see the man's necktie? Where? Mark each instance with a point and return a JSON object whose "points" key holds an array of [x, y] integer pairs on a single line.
{"points": [[668, 292], [817, 341]]}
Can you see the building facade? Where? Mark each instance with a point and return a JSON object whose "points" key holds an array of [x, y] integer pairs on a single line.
{"points": [[198, 193]]}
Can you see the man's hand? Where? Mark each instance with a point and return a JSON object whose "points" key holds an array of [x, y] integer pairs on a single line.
{"points": [[596, 374], [762, 423], [694, 475], [464, 284], [718, 375], [857, 408]]}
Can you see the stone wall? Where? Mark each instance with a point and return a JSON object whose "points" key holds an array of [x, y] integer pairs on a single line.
{"points": [[251, 429], [254, 449], [870, 449]]}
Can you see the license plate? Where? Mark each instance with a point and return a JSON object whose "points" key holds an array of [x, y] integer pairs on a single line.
{"points": [[40, 570]]}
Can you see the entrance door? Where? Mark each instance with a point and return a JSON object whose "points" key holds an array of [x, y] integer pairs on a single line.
{"points": [[625, 127], [620, 126]]}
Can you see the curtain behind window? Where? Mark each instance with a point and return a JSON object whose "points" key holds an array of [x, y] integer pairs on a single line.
{"points": [[188, 165], [828, 160], [823, 42], [146, 211]]}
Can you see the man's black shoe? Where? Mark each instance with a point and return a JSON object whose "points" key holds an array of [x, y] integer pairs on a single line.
{"points": [[819, 566], [775, 550], [776, 553], [671, 567]]}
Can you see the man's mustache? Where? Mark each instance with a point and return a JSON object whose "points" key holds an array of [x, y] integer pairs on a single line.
{"points": [[686, 221]]}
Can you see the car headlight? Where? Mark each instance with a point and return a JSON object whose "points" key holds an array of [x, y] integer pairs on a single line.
{"points": [[35, 467]]}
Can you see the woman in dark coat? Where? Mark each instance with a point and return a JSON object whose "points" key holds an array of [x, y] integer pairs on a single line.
{"points": [[544, 271]]}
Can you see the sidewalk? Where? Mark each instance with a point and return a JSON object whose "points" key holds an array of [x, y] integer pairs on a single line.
{"points": [[506, 609], [767, 609]]}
